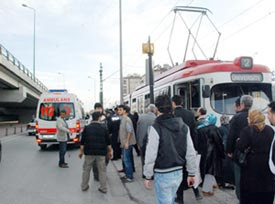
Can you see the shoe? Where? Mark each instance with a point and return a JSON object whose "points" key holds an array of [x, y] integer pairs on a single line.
{"points": [[102, 191], [229, 186], [216, 186], [85, 189], [207, 194], [199, 197], [63, 166], [126, 179], [179, 201], [120, 171]]}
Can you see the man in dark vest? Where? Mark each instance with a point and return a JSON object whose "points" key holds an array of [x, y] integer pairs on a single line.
{"points": [[95, 144]]}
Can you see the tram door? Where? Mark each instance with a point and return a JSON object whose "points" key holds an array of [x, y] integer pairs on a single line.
{"points": [[190, 93]]}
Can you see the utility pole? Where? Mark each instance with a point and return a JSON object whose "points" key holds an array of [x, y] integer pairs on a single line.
{"points": [[120, 54], [148, 48], [101, 84]]}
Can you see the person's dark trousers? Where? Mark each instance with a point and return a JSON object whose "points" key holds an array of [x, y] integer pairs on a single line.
{"points": [[237, 175], [62, 152], [183, 186], [137, 149], [257, 197], [142, 158], [115, 146]]}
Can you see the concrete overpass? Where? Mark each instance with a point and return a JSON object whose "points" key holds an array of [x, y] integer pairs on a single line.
{"points": [[19, 89]]}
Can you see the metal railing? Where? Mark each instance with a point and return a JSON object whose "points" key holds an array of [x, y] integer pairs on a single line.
{"points": [[5, 53]]}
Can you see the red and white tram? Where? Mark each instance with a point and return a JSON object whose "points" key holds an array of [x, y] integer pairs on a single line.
{"points": [[212, 84]]}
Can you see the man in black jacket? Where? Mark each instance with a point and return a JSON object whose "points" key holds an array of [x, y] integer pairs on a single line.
{"points": [[95, 144], [237, 123], [189, 119]]}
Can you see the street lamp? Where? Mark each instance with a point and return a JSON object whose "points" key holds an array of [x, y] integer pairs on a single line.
{"points": [[34, 14], [148, 48], [93, 85]]}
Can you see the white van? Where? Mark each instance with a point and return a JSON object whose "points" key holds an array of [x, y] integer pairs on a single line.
{"points": [[49, 106]]}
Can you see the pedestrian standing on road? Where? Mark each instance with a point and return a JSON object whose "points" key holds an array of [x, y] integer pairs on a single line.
{"points": [[62, 136], [99, 108], [113, 130], [189, 119], [257, 181], [236, 124], [95, 144], [144, 122], [169, 147], [127, 139]]}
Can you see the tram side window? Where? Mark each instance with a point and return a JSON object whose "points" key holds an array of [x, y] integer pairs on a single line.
{"points": [[147, 100], [140, 104], [190, 93]]}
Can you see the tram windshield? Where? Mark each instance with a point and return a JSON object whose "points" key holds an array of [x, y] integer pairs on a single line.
{"points": [[223, 96]]}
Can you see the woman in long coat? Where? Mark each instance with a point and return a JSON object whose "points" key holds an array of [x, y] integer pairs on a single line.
{"points": [[211, 148], [257, 182]]}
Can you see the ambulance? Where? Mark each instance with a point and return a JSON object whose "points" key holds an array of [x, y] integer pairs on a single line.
{"points": [[48, 109]]}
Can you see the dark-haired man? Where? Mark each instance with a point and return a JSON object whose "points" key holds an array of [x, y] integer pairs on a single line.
{"points": [[189, 119], [169, 147], [237, 123], [95, 144], [62, 134], [127, 140]]}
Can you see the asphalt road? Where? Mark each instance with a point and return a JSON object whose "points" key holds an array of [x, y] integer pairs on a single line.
{"points": [[31, 176]]}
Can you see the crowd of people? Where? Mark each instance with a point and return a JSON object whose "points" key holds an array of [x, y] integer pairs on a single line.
{"points": [[170, 139]]}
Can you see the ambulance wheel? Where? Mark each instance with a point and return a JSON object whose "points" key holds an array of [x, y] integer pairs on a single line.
{"points": [[43, 146]]}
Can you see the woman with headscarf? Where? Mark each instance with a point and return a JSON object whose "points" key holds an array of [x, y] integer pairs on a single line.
{"points": [[257, 182], [212, 152]]}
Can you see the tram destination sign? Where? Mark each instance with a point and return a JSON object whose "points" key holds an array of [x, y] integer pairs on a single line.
{"points": [[247, 77]]}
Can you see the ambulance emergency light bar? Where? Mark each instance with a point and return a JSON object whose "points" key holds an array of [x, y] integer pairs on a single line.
{"points": [[58, 90]]}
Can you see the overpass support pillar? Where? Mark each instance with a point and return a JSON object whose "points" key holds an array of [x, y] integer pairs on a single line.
{"points": [[14, 95]]}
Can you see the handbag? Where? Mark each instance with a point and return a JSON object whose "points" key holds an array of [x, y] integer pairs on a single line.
{"points": [[241, 157]]}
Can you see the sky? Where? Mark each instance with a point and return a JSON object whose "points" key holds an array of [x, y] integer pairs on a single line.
{"points": [[74, 36]]}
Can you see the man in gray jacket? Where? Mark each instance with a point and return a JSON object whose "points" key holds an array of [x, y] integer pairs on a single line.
{"points": [[62, 135], [144, 122], [169, 147]]}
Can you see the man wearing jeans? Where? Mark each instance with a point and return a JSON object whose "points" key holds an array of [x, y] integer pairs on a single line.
{"points": [[127, 140], [169, 148], [62, 135]]}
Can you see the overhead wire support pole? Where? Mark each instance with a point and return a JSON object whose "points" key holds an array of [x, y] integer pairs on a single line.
{"points": [[101, 85], [120, 54], [151, 73]]}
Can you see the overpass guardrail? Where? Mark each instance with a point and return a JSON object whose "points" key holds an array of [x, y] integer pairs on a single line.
{"points": [[5, 53]]}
